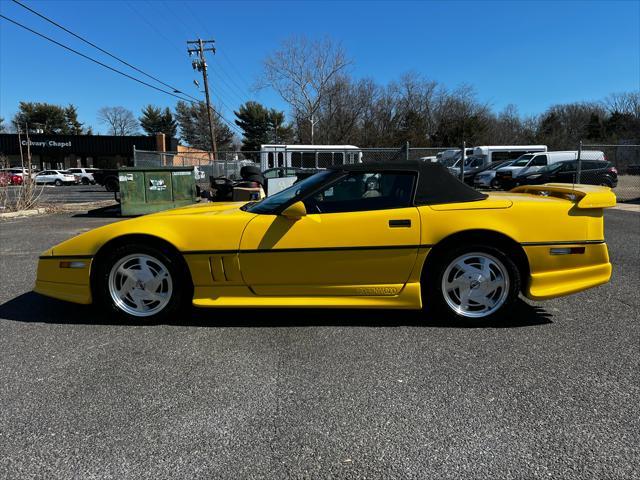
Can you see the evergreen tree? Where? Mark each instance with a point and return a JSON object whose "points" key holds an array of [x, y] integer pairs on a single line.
{"points": [[73, 125], [261, 125], [279, 132], [155, 120], [51, 119], [194, 127], [254, 120]]}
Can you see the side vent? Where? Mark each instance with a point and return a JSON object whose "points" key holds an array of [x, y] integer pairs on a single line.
{"points": [[225, 268]]}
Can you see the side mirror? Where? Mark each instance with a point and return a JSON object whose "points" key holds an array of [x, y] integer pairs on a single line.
{"points": [[295, 211]]}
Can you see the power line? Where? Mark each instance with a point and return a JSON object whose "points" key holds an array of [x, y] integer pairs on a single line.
{"points": [[153, 27], [187, 7], [98, 62], [44, 17]]}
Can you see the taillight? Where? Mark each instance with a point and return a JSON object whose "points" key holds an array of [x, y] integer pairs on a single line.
{"points": [[613, 170]]}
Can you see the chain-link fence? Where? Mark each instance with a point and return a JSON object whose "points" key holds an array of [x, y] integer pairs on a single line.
{"points": [[228, 163], [615, 166]]}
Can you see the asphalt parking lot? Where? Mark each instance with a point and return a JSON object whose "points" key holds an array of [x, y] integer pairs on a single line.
{"points": [[68, 193], [554, 393]]}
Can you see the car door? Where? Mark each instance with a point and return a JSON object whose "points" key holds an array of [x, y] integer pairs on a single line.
{"points": [[567, 173], [360, 237], [44, 177]]}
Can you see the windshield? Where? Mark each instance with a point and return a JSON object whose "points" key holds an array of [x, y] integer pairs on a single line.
{"points": [[272, 203], [471, 161], [448, 162], [522, 160]]}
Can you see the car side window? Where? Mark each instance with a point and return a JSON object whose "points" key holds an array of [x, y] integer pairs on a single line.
{"points": [[539, 161], [360, 191], [592, 165]]}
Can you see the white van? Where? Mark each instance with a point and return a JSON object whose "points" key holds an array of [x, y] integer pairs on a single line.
{"points": [[532, 162], [448, 157], [499, 153], [486, 155]]}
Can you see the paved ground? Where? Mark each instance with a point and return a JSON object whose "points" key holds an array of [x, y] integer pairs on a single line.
{"points": [[314, 394], [69, 193]]}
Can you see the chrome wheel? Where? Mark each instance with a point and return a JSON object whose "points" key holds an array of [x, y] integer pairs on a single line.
{"points": [[140, 285], [475, 285]]}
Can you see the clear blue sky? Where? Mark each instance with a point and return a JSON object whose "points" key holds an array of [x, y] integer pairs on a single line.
{"points": [[531, 54]]}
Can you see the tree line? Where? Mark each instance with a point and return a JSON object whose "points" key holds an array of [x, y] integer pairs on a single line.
{"points": [[327, 105]]}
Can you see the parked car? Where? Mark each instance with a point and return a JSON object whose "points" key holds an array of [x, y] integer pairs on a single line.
{"points": [[472, 164], [593, 172], [22, 172], [448, 157], [56, 177], [108, 178], [8, 177], [486, 177], [387, 235], [532, 162], [85, 175]]}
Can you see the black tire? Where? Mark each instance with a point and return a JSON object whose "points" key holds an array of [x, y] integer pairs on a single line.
{"points": [[58, 183], [248, 170], [606, 183], [255, 178], [85, 181], [111, 184], [180, 295], [434, 292]]}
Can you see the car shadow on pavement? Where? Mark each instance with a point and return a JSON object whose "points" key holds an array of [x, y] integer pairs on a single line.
{"points": [[110, 211], [33, 308]]}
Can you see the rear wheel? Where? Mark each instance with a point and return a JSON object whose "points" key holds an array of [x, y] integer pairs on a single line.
{"points": [[140, 282], [58, 183], [111, 184], [472, 284]]}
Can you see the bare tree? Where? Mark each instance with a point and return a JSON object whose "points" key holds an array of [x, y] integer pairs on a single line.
{"points": [[624, 103], [121, 122], [303, 71]]}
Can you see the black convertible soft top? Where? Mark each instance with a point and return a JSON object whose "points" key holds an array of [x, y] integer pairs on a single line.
{"points": [[435, 184]]}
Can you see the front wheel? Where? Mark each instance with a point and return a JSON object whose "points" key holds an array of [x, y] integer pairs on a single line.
{"points": [[472, 284], [139, 282]]}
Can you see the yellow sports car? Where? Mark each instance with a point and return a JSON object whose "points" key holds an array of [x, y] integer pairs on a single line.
{"points": [[398, 235]]}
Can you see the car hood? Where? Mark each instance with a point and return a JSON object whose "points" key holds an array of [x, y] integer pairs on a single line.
{"points": [[195, 228], [201, 209]]}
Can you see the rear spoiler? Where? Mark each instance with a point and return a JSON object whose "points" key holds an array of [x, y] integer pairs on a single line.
{"points": [[585, 196]]}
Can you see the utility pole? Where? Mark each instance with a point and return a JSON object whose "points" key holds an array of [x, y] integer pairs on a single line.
{"points": [[313, 124], [200, 64]]}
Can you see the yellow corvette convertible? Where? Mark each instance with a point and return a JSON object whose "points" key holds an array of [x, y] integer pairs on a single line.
{"points": [[398, 235]]}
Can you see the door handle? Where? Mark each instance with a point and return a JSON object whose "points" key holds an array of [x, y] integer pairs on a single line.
{"points": [[399, 223]]}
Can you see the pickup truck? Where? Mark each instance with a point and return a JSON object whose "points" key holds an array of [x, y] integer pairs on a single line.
{"points": [[108, 178]]}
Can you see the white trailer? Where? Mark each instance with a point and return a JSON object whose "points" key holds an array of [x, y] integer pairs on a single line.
{"points": [[308, 156]]}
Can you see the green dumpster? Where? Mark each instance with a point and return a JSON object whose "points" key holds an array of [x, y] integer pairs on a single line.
{"points": [[148, 190]]}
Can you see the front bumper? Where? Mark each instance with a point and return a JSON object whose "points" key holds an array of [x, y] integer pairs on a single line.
{"points": [[482, 182], [559, 275], [64, 283]]}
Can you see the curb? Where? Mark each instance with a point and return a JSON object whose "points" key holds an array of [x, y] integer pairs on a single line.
{"points": [[627, 207], [23, 213]]}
